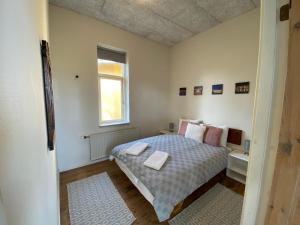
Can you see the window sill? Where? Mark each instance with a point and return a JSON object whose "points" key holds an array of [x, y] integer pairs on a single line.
{"points": [[114, 124]]}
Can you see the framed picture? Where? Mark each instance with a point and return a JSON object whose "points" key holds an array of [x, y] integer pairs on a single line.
{"points": [[242, 88], [217, 89], [198, 90], [47, 78], [182, 91]]}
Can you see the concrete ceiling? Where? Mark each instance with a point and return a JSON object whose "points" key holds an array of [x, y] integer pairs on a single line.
{"points": [[164, 21]]}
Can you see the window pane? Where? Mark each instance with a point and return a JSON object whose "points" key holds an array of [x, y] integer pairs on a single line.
{"points": [[110, 67], [111, 99]]}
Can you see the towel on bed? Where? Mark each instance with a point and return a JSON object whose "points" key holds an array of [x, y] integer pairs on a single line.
{"points": [[156, 160], [136, 148]]}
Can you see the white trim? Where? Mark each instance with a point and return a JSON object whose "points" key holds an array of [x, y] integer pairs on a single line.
{"points": [[239, 155], [125, 108], [114, 123], [267, 114]]}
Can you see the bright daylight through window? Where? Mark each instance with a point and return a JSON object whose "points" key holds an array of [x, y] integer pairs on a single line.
{"points": [[113, 87]]}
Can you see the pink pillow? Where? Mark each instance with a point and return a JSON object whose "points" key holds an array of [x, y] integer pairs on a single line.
{"points": [[212, 136], [182, 128]]}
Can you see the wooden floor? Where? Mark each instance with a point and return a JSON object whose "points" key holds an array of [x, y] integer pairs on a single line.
{"points": [[139, 206]]}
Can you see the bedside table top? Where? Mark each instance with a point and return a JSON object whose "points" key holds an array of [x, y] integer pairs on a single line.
{"points": [[239, 155]]}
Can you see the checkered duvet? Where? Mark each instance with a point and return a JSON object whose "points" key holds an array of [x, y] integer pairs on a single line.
{"points": [[190, 165]]}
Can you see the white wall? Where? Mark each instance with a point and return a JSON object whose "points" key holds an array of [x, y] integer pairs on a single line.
{"points": [[225, 54], [28, 180], [74, 39], [2, 214]]}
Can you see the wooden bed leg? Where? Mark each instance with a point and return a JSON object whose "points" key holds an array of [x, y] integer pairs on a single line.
{"points": [[177, 209]]}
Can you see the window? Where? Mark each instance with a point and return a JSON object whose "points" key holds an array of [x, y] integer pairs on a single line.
{"points": [[113, 87]]}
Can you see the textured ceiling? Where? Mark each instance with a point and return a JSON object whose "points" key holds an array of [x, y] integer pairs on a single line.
{"points": [[165, 21]]}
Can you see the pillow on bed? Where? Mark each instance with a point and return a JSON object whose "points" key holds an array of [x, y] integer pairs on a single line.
{"points": [[223, 141], [195, 132], [224, 136], [212, 136], [183, 125]]}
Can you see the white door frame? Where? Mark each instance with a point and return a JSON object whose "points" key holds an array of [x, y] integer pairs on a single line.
{"points": [[270, 84]]}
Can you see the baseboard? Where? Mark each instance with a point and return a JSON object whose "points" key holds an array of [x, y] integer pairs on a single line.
{"points": [[86, 164]]}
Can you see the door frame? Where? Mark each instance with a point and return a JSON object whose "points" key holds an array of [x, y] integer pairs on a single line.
{"points": [[269, 95]]}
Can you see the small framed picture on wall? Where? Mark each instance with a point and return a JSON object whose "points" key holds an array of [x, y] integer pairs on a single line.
{"points": [[182, 91], [217, 89], [198, 90], [242, 88]]}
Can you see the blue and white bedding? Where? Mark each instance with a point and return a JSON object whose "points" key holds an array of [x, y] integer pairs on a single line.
{"points": [[190, 165]]}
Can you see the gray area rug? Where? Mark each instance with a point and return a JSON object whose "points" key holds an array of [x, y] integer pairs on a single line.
{"points": [[218, 206], [96, 201]]}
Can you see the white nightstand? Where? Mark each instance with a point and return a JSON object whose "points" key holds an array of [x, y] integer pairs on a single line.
{"points": [[166, 132], [237, 166]]}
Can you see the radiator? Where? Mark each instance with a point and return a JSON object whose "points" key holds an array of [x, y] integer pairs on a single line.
{"points": [[101, 144]]}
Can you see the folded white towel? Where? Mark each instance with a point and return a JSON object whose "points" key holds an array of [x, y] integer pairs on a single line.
{"points": [[136, 148], [157, 160]]}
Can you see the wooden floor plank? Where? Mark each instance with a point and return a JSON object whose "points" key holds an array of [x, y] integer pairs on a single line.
{"points": [[139, 206]]}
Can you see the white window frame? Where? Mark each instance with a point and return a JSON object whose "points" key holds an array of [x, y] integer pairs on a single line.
{"points": [[125, 96]]}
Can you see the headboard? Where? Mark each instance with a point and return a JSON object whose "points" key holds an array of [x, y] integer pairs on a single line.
{"points": [[234, 136]]}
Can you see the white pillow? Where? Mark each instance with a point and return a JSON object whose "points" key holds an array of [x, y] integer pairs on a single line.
{"points": [[195, 132], [188, 121]]}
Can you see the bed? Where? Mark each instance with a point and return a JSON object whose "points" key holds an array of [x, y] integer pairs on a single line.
{"points": [[190, 165]]}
